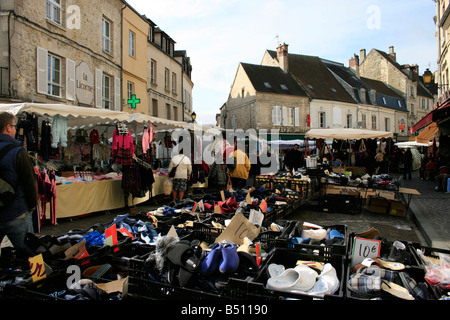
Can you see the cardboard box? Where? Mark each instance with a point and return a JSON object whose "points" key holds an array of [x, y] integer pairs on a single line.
{"points": [[378, 205], [397, 208]]}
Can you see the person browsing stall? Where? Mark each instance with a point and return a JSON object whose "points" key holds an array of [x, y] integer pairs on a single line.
{"points": [[182, 174], [16, 168], [238, 168], [294, 159]]}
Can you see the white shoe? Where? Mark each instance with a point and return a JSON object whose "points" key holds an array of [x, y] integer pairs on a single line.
{"points": [[316, 234], [301, 278], [327, 282]]}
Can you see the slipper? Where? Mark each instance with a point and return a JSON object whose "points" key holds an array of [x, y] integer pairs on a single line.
{"points": [[230, 259], [396, 290], [329, 277], [389, 265], [315, 234], [274, 270], [301, 278], [211, 262], [247, 264], [418, 291], [182, 254]]}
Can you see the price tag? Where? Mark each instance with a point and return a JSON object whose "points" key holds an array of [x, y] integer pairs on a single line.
{"points": [[111, 236], [37, 268], [239, 228], [365, 248]]}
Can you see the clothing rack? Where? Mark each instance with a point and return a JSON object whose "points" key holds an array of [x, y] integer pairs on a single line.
{"points": [[142, 162], [43, 163]]}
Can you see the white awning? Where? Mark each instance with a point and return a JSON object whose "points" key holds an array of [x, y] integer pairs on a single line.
{"points": [[347, 133]]}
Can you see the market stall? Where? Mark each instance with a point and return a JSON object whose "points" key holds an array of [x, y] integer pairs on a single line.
{"points": [[71, 150], [174, 253]]}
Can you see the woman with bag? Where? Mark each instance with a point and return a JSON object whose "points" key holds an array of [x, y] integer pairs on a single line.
{"points": [[183, 170]]}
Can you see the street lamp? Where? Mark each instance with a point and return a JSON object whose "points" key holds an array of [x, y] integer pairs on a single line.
{"points": [[427, 76], [193, 116]]}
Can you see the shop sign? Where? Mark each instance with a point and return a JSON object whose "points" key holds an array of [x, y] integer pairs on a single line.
{"points": [[84, 85]]}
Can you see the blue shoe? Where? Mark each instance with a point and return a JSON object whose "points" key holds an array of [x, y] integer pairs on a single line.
{"points": [[230, 259], [211, 262]]}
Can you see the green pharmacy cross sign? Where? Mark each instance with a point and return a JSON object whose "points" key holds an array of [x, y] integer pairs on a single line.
{"points": [[133, 101]]}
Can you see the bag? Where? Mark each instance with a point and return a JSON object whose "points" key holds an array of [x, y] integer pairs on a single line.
{"points": [[7, 191], [174, 169], [168, 187]]}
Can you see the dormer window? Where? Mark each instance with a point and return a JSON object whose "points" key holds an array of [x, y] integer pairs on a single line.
{"points": [[267, 85], [283, 86]]}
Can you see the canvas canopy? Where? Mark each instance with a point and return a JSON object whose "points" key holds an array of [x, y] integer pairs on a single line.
{"points": [[76, 116], [80, 117], [347, 133]]}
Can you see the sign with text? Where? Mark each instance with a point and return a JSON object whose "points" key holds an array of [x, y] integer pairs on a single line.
{"points": [[365, 248], [84, 83], [239, 228]]}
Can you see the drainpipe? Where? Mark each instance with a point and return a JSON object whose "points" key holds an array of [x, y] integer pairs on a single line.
{"points": [[9, 55], [121, 54]]}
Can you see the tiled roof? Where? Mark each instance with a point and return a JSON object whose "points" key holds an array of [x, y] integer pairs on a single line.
{"points": [[272, 80], [315, 78]]}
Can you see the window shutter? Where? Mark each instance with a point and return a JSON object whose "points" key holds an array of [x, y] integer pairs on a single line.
{"points": [[296, 117], [276, 115], [98, 88], [70, 80], [284, 114], [117, 101], [41, 64]]}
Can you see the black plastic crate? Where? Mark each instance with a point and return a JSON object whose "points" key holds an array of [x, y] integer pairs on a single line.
{"points": [[288, 257], [412, 268], [294, 228], [144, 285], [431, 253], [337, 203]]}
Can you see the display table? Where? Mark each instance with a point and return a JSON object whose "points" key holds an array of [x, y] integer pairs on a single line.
{"points": [[77, 199], [81, 198]]}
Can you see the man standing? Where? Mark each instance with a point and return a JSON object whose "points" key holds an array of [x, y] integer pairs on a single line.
{"points": [[407, 163], [238, 174], [294, 159], [17, 169]]}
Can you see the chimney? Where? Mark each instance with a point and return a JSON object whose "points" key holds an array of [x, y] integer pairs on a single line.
{"points": [[392, 53], [362, 54], [282, 55], [354, 64]]}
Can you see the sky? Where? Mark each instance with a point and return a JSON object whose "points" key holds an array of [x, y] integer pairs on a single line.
{"points": [[219, 34]]}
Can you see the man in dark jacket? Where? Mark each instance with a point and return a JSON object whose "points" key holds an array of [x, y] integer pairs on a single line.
{"points": [[17, 169], [293, 159]]}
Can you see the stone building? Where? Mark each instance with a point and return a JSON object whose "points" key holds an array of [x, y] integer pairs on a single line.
{"points": [[379, 106], [134, 61], [166, 76], [60, 53], [265, 97], [327, 94], [91, 54], [382, 66]]}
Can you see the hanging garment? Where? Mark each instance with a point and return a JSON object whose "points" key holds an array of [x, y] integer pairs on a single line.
{"points": [[94, 136], [46, 185], [122, 149], [147, 138], [27, 132], [131, 180], [45, 140], [59, 131]]}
